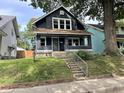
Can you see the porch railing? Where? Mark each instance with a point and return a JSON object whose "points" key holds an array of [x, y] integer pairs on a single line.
{"points": [[80, 62]]}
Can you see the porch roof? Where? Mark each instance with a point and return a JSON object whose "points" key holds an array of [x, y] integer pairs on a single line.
{"points": [[61, 32]]}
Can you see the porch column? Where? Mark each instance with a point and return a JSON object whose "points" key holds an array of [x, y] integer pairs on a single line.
{"points": [[66, 43]]}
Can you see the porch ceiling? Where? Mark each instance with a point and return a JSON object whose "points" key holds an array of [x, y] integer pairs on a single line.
{"points": [[61, 32]]}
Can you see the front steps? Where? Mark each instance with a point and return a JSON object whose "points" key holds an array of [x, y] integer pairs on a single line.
{"points": [[73, 65], [78, 74]]}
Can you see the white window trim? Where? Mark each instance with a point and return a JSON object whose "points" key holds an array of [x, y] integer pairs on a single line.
{"points": [[72, 38], [45, 40], [59, 23]]}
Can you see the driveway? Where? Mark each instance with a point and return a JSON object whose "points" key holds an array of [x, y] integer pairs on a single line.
{"points": [[106, 85]]}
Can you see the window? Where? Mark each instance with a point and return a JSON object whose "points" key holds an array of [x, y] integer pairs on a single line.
{"points": [[12, 32], [73, 42], [68, 24], [84, 41], [55, 23], [62, 23], [43, 41], [122, 28]]}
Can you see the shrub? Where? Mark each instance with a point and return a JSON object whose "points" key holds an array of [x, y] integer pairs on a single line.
{"points": [[84, 55]]}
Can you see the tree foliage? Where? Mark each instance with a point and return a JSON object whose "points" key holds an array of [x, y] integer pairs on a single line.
{"points": [[26, 37], [92, 8]]}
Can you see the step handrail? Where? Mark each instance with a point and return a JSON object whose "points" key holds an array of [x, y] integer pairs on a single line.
{"points": [[86, 71]]}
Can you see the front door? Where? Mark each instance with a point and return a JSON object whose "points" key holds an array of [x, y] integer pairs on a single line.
{"points": [[55, 44], [61, 43]]}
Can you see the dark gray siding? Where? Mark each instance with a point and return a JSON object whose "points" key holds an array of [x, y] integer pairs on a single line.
{"points": [[47, 21]]}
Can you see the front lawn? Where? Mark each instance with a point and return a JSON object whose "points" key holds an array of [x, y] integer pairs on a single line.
{"points": [[25, 70], [102, 65]]}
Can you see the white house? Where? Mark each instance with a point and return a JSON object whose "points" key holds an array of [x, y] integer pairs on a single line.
{"points": [[8, 36]]}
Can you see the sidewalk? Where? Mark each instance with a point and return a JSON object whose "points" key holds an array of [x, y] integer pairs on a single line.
{"points": [[106, 85]]}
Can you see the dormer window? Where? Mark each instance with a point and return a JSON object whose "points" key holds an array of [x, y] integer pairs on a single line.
{"points": [[62, 23]]}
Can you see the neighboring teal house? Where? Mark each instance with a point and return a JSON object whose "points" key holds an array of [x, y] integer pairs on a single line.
{"points": [[97, 38]]}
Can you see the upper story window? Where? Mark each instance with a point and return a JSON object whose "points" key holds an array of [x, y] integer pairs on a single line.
{"points": [[122, 28], [61, 23]]}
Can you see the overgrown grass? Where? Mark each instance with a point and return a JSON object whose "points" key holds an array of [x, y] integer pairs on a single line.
{"points": [[102, 65], [25, 70]]}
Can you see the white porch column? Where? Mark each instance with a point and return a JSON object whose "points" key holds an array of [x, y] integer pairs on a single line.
{"points": [[85, 41]]}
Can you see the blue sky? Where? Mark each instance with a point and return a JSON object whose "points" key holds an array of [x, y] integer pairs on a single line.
{"points": [[23, 11]]}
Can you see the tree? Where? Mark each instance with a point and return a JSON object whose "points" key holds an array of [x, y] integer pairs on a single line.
{"points": [[106, 10], [26, 37], [23, 41], [120, 23]]}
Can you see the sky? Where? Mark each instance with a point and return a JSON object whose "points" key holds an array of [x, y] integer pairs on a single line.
{"points": [[24, 11]]}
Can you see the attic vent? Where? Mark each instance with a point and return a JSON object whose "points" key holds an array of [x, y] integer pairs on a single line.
{"points": [[61, 12]]}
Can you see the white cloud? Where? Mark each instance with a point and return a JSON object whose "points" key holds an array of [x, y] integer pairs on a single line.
{"points": [[10, 11]]}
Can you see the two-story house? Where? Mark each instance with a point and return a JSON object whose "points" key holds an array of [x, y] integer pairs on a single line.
{"points": [[8, 36], [60, 30], [120, 36], [98, 37]]}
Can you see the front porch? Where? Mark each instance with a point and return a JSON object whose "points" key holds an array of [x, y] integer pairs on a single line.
{"points": [[62, 43]]}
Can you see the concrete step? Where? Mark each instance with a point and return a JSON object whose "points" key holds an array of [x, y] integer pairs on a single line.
{"points": [[77, 71], [71, 62], [74, 67], [79, 75], [80, 78]]}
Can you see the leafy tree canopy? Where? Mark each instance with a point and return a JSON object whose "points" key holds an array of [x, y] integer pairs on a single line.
{"points": [[92, 8], [26, 37]]}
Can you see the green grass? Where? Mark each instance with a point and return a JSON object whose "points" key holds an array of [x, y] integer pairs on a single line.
{"points": [[25, 70], [102, 65]]}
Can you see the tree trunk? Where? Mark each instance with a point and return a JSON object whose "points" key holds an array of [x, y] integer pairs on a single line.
{"points": [[109, 24]]}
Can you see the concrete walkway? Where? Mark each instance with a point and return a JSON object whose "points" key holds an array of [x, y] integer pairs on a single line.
{"points": [[109, 85]]}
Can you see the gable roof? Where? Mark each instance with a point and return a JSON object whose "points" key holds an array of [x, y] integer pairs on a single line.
{"points": [[38, 19], [4, 20]]}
